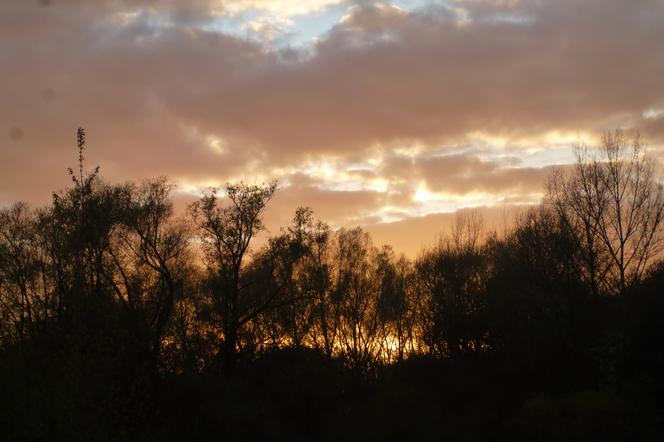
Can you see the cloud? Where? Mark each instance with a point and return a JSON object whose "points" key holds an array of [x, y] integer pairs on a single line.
{"points": [[463, 173], [397, 91]]}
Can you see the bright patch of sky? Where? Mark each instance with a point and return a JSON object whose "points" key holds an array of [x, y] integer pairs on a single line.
{"points": [[427, 202], [553, 148], [535, 155], [653, 113], [293, 27]]}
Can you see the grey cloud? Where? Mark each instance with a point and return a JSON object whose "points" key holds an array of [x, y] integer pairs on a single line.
{"points": [[465, 173]]}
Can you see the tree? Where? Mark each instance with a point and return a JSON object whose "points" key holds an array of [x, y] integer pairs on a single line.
{"points": [[451, 279], [289, 307], [23, 297], [614, 207], [314, 279], [226, 233], [146, 260], [355, 299], [536, 298], [396, 305]]}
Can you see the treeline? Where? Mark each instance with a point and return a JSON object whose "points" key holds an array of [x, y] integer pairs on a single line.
{"points": [[120, 317]]}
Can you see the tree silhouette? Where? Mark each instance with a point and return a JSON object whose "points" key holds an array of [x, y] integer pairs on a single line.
{"points": [[614, 206], [117, 317], [226, 233], [451, 278]]}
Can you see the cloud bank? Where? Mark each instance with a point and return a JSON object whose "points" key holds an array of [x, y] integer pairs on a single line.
{"points": [[392, 111]]}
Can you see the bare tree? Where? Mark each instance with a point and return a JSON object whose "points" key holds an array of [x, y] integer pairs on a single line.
{"points": [[360, 331], [614, 206], [467, 230]]}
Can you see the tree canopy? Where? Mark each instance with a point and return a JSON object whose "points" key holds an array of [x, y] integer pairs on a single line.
{"points": [[122, 319]]}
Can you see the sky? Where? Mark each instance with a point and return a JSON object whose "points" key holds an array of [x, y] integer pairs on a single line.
{"points": [[388, 115]]}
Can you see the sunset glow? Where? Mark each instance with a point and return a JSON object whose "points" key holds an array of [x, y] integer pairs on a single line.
{"points": [[369, 112]]}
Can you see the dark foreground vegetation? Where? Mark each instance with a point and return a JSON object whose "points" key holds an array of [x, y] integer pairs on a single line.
{"points": [[122, 321]]}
